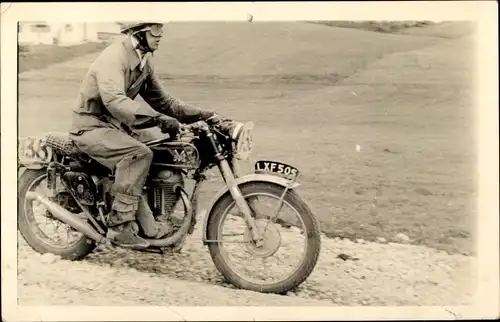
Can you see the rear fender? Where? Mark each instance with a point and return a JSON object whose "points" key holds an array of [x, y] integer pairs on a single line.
{"points": [[32, 166], [239, 182], [22, 166]]}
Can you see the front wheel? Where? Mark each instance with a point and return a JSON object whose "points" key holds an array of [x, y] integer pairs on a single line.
{"points": [[276, 255]]}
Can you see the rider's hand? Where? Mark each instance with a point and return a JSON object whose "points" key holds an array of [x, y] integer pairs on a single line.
{"points": [[168, 125], [214, 119]]}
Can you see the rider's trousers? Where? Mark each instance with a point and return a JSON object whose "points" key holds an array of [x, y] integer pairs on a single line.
{"points": [[128, 157]]}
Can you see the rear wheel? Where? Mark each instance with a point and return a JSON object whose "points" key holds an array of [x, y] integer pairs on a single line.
{"points": [[278, 246], [55, 237]]}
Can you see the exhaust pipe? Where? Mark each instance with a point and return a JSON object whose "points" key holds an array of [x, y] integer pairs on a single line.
{"points": [[183, 230], [69, 218], [74, 221]]}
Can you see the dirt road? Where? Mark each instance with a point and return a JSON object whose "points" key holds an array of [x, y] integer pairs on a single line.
{"points": [[376, 275]]}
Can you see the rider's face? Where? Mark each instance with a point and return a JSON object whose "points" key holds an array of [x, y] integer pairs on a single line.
{"points": [[153, 41]]}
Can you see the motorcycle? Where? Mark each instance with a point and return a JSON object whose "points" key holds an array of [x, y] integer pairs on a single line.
{"points": [[76, 195]]}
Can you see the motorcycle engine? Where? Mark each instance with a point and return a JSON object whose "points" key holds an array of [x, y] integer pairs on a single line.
{"points": [[163, 196]]}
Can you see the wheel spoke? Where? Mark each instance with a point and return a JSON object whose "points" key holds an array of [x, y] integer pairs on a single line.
{"points": [[68, 231], [234, 234], [266, 264], [278, 259]]}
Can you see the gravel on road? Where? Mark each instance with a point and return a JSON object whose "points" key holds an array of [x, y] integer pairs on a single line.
{"points": [[347, 274]]}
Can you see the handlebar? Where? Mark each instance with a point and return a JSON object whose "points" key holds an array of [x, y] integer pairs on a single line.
{"points": [[186, 128]]}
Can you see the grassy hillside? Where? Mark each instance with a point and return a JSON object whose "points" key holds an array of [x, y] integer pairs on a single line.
{"points": [[271, 48], [377, 26], [447, 29], [262, 51]]}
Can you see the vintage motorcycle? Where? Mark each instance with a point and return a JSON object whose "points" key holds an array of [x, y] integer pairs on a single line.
{"points": [[77, 195]]}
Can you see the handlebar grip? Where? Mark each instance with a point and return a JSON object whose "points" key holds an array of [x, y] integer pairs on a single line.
{"points": [[192, 126]]}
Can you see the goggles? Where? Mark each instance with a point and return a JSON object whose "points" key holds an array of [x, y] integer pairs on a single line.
{"points": [[155, 30]]}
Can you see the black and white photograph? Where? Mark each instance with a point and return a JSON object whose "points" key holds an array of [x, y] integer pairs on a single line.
{"points": [[323, 162]]}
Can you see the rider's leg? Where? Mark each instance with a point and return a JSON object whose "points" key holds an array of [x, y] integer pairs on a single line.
{"points": [[131, 160], [152, 227]]}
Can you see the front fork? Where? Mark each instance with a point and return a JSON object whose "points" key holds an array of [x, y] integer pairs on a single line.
{"points": [[228, 175], [229, 178]]}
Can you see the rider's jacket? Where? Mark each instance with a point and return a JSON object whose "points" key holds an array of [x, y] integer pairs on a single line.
{"points": [[106, 96]]}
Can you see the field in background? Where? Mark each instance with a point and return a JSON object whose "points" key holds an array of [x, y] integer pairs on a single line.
{"points": [[314, 93], [40, 56]]}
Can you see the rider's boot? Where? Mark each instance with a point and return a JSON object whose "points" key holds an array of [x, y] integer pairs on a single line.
{"points": [[124, 234]]}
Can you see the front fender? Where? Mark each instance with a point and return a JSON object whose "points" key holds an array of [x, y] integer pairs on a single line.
{"points": [[240, 181]]}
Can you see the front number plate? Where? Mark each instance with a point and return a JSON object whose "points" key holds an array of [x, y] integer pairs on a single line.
{"points": [[277, 168], [244, 142]]}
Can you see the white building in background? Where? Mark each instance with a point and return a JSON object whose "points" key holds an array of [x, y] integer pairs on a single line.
{"points": [[39, 32], [36, 32]]}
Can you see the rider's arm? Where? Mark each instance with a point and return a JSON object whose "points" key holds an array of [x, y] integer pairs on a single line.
{"points": [[111, 83], [161, 101]]}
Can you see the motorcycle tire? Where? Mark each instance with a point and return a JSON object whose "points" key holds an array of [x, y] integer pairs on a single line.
{"points": [[75, 252], [311, 226]]}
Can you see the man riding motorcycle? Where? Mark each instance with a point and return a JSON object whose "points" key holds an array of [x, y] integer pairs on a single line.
{"points": [[104, 119]]}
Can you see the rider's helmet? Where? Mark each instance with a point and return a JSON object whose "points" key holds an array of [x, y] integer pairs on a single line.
{"points": [[138, 31]]}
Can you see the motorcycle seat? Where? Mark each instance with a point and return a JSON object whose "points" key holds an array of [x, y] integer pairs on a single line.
{"points": [[63, 144]]}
